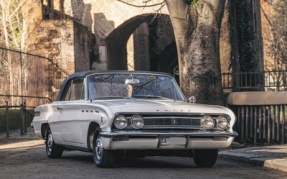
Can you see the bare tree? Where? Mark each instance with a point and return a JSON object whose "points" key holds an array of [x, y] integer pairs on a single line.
{"points": [[13, 28], [197, 37], [279, 41], [196, 27], [13, 24]]}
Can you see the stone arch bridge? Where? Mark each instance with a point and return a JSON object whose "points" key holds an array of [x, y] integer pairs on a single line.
{"points": [[82, 35], [103, 34]]}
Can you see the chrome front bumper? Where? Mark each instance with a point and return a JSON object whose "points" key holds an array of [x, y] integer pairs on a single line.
{"points": [[136, 140]]}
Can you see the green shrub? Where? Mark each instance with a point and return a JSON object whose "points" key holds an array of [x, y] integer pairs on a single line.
{"points": [[14, 119]]}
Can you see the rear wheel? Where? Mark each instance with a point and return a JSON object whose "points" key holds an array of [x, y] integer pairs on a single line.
{"points": [[103, 158], [53, 150], [205, 157]]}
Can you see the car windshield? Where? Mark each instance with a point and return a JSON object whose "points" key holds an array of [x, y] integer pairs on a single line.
{"points": [[112, 86]]}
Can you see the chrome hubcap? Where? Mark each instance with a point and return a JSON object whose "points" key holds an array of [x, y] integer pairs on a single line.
{"points": [[50, 142], [99, 149]]}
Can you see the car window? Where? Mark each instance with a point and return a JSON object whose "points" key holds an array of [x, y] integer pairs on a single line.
{"points": [[66, 93], [77, 89], [133, 85]]}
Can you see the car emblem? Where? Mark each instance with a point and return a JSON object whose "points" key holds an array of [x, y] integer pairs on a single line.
{"points": [[174, 121]]}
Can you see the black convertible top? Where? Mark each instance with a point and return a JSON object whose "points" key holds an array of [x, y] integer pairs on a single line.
{"points": [[85, 73]]}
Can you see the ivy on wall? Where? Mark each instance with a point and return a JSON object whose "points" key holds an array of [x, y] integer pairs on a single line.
{"points": [[245, 30], [193, 2], [246, 37]]}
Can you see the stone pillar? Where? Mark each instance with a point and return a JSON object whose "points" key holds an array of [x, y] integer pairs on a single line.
{"points": [[102, 64], [141, 48]]}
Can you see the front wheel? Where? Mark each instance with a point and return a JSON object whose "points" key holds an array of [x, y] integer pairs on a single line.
{"points": [[103, 158], [205, 157], [53, 150]]}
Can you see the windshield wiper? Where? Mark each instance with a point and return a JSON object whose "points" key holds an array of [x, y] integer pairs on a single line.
{"points": [[113, 97], [149, 96]]}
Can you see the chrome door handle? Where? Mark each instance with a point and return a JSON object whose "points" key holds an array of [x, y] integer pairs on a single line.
{"points": [[60, 108]]}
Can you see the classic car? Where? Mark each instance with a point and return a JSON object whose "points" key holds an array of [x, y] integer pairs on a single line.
{"points": [[117, 114]]}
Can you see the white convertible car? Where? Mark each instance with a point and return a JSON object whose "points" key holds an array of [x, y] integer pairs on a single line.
{"points": [[117, 114]]}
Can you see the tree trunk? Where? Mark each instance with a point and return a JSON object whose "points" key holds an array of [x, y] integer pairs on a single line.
{"points": [[197, 38], [5, 29]]}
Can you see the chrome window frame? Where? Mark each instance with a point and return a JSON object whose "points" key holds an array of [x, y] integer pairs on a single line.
{"points": [[70, 90]]}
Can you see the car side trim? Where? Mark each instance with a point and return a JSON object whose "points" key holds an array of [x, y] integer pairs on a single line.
{"points": [[70, 147]]}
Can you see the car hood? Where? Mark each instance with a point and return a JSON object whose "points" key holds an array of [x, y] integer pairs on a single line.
{"points": [[162, 106]]}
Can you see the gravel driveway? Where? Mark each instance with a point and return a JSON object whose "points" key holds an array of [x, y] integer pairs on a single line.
{"points": [[22, 158]]}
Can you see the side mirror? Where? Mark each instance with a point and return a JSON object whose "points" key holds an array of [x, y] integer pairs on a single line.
{"points": [[192, 99]]}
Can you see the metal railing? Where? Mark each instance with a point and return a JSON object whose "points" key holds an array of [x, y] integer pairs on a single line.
{"points": [[260, 123], [35, 78], [34, 101], [23, 112], [255, 81]]}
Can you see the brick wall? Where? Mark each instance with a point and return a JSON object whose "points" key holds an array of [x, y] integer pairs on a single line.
{"points": [[84, 42], [266, 11], [54, 39]]}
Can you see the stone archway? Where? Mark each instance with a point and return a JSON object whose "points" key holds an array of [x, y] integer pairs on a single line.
{"points": [[141, 40], [168, 59], [113, 26], [117, 40], [108, 24]]}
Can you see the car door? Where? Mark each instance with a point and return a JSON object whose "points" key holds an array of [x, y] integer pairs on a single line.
{"points": [[69, 109]]}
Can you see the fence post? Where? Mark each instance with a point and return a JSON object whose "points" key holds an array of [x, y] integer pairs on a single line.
{"points": [[259, 121], [264, 122], [24, 115], [278, 121], [20, 77], [268, 125], [22, 120], [7, 119], [283, 124], [251, 120], [255, 126], [242, 123], [246, 122]]}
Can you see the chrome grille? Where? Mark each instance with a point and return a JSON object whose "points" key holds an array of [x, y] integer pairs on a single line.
{"points": [[189, 122]]}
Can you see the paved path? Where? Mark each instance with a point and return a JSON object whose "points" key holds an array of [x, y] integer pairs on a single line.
{"points": [[22, 158], [274, 157]]}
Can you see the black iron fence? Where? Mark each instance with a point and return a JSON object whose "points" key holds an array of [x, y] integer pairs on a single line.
{"points": [[23, 118], [255, 81], [260, 123], [27, 77], [35, 100]]}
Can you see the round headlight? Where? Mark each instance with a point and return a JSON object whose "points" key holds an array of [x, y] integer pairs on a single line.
{"points": [[137, 121], [207, 122], [222, 122], [121, 122]]}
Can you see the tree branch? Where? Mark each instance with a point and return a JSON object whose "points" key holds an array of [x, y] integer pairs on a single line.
{"points": [[16, 10], [142, 5], [265, 15]]}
